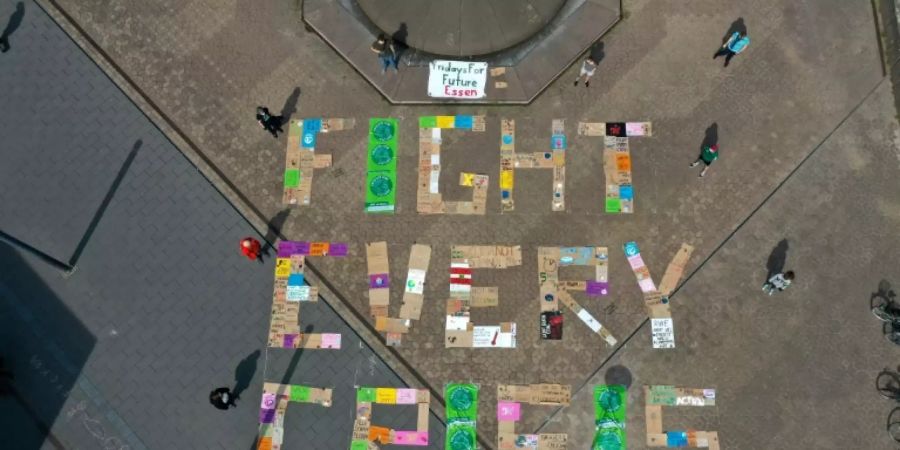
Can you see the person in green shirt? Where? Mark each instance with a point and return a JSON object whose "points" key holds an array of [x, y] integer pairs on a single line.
{"points": [[708, 154]]}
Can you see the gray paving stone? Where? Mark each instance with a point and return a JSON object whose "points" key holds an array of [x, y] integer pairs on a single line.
{"points": [[162, 307]]}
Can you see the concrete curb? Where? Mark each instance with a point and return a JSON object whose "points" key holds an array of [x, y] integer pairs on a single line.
{"points": [[228, 190]]}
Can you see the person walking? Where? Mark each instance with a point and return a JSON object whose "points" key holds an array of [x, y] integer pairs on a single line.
{"points": [[737, 43], [251, 249], [387, 52], [778, 282], [587, 71], [270, 123], [708, 154], [222, 398]]}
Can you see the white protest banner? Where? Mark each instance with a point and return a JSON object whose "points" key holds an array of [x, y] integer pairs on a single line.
{"points": [[457, 79]]}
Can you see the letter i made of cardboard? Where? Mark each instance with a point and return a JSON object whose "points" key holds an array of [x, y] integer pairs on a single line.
{"points": [[428, 194], [380, 290], [553, 158], [617, 160], [460, 332], [291, 290], [301, 159], [275, 400]]}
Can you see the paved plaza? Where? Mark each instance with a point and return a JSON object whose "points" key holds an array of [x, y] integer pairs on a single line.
{"points": [[129, 152]]}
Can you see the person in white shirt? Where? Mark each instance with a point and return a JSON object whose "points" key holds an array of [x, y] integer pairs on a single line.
{"points": [[587, 71], [778, 282]]}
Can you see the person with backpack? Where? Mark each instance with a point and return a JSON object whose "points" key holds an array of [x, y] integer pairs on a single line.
{"points": [[387, 52], [270, 123], [737, 43]]}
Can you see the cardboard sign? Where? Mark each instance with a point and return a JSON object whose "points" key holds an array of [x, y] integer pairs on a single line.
{"points": [[457, 79], [663, 333]]}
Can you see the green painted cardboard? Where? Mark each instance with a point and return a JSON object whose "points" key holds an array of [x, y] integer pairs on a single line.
{"points": [[610, 417]]}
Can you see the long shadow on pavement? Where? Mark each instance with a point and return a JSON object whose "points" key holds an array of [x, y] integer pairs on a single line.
{"points": [[44, 346]]}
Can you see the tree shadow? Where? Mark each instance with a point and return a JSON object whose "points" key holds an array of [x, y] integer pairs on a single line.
{"points": [[618, 375], [777, 259], [597, 53], [11, 26], [274, 230], [711, 137], [244, 373], [290, 106], [736, 27]]}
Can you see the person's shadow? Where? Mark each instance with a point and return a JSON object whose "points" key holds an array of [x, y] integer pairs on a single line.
{"points": [[14, 21], [290, 106], [597, 52], [711, 137], [736, 27], [244, 372], [274, 229], [399, 37], [777, 259]]}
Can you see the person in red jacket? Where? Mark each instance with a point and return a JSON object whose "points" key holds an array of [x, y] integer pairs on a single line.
{"points": [[251, 249]]}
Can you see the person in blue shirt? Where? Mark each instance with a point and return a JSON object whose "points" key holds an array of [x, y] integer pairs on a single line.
{"points": [[737, 43]]}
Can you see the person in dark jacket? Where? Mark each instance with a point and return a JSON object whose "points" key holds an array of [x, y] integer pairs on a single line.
{"points": [[222, 398], [270, 123]]}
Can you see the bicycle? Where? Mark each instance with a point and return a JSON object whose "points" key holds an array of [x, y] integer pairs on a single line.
{"points": [[886, 310], [887, 383]]}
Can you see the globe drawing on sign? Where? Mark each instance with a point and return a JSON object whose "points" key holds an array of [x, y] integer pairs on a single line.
{"points": [[607, 440], [631, 249], [383, 131], [507, 139], [382, 154], [461, 398], [461, 439], [609, 401], [410, 284], [308, 138], [381, 186]]}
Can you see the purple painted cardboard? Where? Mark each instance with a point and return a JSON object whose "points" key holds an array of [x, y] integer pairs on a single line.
{"points": [[286, 249], [338, 249], [302, 248], [379, 280], [596, 288], [289, 340], [266, 416]]}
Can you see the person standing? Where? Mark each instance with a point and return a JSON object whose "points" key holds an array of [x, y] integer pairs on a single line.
{"points": [[251, 249], [708, 154], [270, 123], [222, 398], [387, 52], [737, 43], [587, 71], [778, 282]]}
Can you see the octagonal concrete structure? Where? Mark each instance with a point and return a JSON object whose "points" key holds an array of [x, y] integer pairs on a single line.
{"points": [[540, 40]]}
